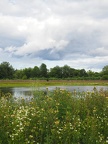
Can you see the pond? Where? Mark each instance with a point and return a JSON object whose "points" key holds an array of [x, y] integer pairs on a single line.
{"points": [[27, 92]]}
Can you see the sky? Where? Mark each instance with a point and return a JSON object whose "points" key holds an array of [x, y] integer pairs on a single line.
{"points": [[54, 32]]}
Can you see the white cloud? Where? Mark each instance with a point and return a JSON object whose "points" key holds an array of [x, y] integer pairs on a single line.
{"points": [[65, 29]]}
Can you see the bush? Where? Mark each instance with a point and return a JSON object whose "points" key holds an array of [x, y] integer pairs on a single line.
{"points": [[105, 77], [58, 117]]}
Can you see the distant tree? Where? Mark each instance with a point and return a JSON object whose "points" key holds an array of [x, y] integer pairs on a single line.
{"points": [[56, 72], [90, 73], [43, 70], [27, 72], [35, 72], [18, 74], [76, 73], [97, 75], [105, 77], [72, 72], [66, 71], [105, 70], [82, 73], [6, 71], [104, 73], [24, 77]]}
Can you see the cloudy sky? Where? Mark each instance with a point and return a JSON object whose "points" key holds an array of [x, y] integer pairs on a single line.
{"points": [[54, 32]]}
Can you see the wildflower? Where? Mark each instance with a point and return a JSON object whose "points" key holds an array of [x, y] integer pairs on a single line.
{"points": [[58, 132], [60, 129], [12, 115], [94, 110], [42, 109], [57, 122], [30, 136]]}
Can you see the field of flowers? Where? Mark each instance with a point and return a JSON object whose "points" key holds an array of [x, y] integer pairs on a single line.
{"points": [[57, 117]]}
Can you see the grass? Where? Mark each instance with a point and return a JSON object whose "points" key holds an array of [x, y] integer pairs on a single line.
{"points": [[29, 83], [57, 117]]}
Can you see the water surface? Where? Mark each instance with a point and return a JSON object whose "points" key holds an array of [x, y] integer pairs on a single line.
{"points": [[27, 92]]}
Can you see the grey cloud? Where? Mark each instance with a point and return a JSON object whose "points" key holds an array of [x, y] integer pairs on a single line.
{"points": [[82, 43], [48, 55], [8, 42], [55, 31]]}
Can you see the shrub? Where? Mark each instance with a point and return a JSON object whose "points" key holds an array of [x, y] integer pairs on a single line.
{"points": [[53, 117]]}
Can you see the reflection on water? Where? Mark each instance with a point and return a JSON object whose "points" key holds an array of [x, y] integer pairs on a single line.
{"points": [[22, 92], [27, 92]]}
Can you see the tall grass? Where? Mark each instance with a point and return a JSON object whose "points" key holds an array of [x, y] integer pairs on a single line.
{"points": [[58, 117]]}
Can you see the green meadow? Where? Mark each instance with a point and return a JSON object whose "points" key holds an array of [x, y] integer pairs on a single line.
{"points": [[29, 83], [55, 117]]}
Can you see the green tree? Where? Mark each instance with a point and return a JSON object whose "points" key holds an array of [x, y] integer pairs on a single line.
{"points": [[72, 72], [105, 70], [56, 72], [76, 73], [66, 71], [6, 71], [19, 74], [27, 72], [104, 73], [43, 70], [35, 72], [105, 77], [82, 73]]}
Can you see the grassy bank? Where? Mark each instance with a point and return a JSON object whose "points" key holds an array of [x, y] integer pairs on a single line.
{"points": [[29, 83], [57, 117]]}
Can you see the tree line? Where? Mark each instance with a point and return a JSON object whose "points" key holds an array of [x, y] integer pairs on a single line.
{"points": [[65, 72]]}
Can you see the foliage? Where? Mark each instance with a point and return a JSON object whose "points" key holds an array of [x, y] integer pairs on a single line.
{"points": [[35, 72], [57, 72], [105, 69], [105, 73], [57, 117], [105, 77], [43, 70], [6, 71]]}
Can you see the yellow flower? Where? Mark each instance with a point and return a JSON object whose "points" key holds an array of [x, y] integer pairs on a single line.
{"points": [[57, 122], [30, 136]]}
